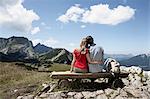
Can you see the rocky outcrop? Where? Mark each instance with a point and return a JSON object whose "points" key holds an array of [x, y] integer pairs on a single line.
{"points": [[57, 55], [16, 48], [137, 86]]}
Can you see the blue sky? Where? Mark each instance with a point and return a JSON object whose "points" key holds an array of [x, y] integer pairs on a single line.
{"points": [[119, 26]]}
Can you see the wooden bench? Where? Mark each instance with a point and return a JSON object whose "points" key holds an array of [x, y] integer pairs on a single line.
{"points": [[64, 76], [113, 79], [72, 75]]}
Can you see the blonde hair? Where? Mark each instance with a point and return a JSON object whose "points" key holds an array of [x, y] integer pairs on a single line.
{"points": [[83, 45]]}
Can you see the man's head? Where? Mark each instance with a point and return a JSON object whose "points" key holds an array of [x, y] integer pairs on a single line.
{"points": [[90, 40]]}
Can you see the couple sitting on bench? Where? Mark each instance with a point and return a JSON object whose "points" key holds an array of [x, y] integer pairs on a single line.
{"points": [[87, 58]]}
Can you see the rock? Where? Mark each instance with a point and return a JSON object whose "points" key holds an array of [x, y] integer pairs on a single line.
{"points": [[137, 77], [146, 94], [123, 93], [43, 95], [108, 91], [137, 84], [88, 94], [26, 97], [124, 69], [120, 97], [57, 95], [135, 80], [131, 69], [114, 94], [134, 93], [91, 95], [85, 93], [134, 69], [71, 94], [78, 96], [63, 94], [20, 97], [125, 81], [149, 89], [131, 77], [98, 92], [102, 96], [47, 95], [146, 74]]}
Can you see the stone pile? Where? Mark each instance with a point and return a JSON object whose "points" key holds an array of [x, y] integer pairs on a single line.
{"points": [[137, 86]]}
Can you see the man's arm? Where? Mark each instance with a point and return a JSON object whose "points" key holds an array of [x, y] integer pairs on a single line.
{"points": [[92, 61]]}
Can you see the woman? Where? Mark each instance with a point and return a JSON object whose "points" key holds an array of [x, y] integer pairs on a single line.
{"points": [[81, 58]]}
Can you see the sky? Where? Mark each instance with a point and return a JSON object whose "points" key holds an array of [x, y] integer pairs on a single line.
{"points": [[119, 26]]}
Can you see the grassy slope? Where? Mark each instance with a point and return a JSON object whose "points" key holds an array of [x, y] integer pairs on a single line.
{"points": [[15, 81]]}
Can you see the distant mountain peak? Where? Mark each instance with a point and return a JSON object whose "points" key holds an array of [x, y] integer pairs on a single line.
{"points": [[41, 48]]}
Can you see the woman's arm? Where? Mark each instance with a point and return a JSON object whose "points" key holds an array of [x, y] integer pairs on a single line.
{"points": [[72, 63], [92, 62]]}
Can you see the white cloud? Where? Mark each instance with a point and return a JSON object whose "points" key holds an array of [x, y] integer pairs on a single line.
{"points": [[48, 27], [43, 24], [72, 14], [14, 16], [36, 41], [35, 30], [100, 14], [72, 44], [51, 42], [83, 26]]}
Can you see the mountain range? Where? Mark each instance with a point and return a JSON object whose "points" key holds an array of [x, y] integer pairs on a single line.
{"points": [[118, 57], [20, 49], [142, 60]]}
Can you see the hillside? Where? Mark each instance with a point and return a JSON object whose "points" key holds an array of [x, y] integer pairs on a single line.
{"points": [[16, 79], [58, 55]]}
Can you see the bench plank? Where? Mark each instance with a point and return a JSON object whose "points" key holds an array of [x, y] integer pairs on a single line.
{"points": [[72, 75]]}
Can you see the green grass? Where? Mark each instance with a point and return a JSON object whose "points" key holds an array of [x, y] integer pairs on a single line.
{"points": [[59, 67], [16, 80]]}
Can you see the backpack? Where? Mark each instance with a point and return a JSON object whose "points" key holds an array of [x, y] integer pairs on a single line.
{"points": [[112, 65]]}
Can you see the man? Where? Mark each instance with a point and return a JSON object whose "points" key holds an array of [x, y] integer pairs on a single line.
{"points": [[96, 53]]}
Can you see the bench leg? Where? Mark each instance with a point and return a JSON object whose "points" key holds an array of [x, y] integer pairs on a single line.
{"points": [[53, 87], [63, 83], [117, 83]]}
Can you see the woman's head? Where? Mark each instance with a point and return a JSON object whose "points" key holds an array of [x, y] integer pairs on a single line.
{"points": [[83, 43]]}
